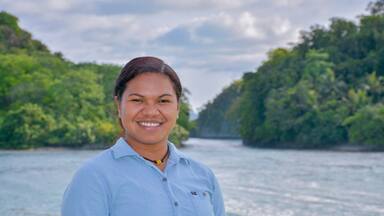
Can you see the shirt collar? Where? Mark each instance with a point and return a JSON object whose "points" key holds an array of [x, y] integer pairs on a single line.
{"points": [[122, 149], [176, 155]]}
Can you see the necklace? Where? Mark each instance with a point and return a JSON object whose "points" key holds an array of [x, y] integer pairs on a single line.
{"points": [[159, 162]]}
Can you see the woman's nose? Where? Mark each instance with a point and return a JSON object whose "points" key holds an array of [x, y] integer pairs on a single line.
{"points": [[150, 110]]}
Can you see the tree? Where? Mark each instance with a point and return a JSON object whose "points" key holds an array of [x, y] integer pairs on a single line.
{"points": [[367, 126], [376, 7], [219, 118], [25, 127]]}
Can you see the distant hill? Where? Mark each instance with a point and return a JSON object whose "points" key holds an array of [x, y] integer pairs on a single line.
{"points": [[216, 120], [14, 39]]}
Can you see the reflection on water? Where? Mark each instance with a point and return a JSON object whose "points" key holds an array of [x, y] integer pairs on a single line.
{"points": [[254, 181]]}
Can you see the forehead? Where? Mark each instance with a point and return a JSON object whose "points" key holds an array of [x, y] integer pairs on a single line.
{"points": [[150, 83]]}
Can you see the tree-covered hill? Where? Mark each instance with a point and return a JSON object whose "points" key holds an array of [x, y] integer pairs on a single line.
{"points": [[14, 39], [326, 90], [46, 100], [216, 120]]}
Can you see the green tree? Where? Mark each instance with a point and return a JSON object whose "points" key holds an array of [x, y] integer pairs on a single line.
{"points": [[14, 39], [376, 7], [178, 135], [375, 87], [367, 126], [220, 117], [25, 127]]}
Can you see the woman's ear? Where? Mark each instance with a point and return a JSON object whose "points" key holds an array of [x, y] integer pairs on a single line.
{"points": [[117, 102], [178, 109]]}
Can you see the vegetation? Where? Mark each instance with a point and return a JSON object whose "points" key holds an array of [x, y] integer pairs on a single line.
{"points": [[326, 90], [216, 120], [46, 100]]}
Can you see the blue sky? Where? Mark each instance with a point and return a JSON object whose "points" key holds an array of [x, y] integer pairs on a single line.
{"points": [[209, 43]]}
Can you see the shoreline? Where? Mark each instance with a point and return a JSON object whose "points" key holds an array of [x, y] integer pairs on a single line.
{"points": [[337, 148]]}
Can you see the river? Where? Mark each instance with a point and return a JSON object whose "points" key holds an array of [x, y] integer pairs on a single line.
{"points": [[255, 182]]}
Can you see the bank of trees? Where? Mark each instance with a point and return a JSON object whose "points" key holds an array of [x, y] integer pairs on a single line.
{"points": [[216, 119], [46, 100], [327, 89]]}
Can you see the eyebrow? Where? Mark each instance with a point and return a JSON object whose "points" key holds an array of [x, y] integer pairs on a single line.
{"points": [[139, 95]]}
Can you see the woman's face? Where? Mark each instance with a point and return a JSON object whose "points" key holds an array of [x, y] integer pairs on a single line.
{"points": [[148, 109]]}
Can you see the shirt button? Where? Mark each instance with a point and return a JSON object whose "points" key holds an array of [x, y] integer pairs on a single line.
{"points": [[164, 179], [176, 204]]}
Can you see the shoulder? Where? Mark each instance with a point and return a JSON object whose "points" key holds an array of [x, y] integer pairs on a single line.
{"points": [[199, 166], [96, 166], [88, 193], [92, 176], [190, 162]]}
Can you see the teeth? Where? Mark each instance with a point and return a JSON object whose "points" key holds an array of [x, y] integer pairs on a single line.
{"points": [[149, 124]]}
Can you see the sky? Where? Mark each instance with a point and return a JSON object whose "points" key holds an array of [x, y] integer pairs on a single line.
{"points": [[209, 43]]}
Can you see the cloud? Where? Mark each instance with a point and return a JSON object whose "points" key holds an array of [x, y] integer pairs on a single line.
{"points": [[232, 41], [39, 6], [247, 22], [287, 3], [106, 7], [174, 6]]}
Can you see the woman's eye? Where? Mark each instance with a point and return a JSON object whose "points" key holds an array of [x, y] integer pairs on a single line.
{"points": [[164, 101], [136, 100]]}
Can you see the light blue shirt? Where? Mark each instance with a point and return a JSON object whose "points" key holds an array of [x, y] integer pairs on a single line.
{"points": [[119, 182]]}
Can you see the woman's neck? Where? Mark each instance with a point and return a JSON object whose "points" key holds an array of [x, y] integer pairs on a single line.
{"points": [[154, 151]]}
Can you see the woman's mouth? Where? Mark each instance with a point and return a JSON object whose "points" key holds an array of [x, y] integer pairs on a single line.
{"points": [[149, 124]]}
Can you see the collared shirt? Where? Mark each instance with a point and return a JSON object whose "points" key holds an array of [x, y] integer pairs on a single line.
{"points": [[120, 182]]}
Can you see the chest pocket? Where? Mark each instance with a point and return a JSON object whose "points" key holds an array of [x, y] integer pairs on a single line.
{"points": [[202, 203]]}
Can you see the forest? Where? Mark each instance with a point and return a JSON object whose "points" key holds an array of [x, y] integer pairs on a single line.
{"points": [[325, 90], [47, 100]]}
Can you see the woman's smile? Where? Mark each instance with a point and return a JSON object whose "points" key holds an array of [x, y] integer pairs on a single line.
{"points": [[150, 125]]}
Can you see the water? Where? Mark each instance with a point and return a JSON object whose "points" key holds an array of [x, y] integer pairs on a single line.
{"points": [[254, 182]]}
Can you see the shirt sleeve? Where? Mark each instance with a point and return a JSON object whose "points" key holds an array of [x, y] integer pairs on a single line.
{"points": [[86, 195], [217, 198]]}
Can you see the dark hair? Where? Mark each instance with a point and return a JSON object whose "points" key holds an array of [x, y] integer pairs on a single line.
{"points": [[142, 65]]}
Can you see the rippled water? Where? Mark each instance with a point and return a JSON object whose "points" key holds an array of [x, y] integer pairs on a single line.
{"points": [[254, 181]]}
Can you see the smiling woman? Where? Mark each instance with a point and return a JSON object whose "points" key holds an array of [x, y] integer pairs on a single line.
{"points": [[143, 173], [148, 111]]}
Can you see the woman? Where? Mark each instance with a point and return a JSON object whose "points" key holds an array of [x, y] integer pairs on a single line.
{"points": [[143, 174]]}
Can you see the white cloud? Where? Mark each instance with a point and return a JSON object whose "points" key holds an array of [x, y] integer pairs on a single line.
{"points": [[204, 4], [282, 26], [94, 22], [287, 3], [248, 24], [60, 5], [39, 6]]}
